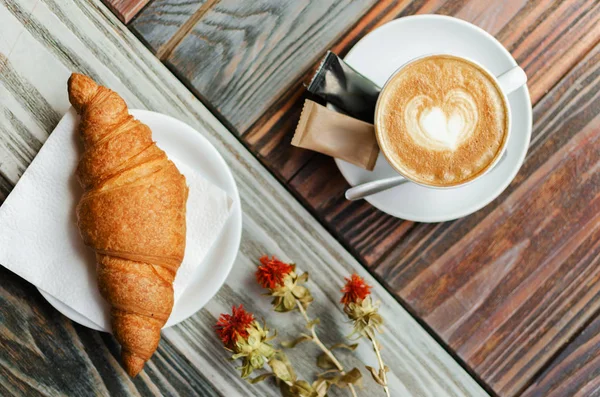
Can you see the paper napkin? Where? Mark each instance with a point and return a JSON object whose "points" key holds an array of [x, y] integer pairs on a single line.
{"points": [[40, 242]]}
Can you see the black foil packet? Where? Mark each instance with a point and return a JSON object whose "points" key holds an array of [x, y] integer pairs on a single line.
{"points": [[339, 84]]}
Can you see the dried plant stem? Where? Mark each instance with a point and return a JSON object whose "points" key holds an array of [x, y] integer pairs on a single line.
{"points": [[323, 348], [380, 361]]}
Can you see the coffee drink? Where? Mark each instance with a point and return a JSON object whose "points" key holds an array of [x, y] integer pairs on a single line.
{"points": [[441, 121]]}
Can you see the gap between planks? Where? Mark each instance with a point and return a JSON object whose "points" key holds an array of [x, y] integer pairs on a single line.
{"points": [[165, 50]]}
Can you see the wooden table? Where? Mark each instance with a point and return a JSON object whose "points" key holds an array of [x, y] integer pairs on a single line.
{"points": [[43, 353], [510, 293]]}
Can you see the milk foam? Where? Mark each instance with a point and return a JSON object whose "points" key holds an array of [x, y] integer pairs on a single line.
{"points": [[441, 126]]}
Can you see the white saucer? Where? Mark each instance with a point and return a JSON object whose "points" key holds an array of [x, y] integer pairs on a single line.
{"points": [[379, 54], [189, 146]]}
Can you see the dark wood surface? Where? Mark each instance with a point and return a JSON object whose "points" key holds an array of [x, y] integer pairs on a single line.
{"points": [[576, 371], [513, 290]]}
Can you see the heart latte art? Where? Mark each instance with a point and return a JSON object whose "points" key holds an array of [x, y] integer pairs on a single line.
{"points": [[441, 126], [441, 121]]}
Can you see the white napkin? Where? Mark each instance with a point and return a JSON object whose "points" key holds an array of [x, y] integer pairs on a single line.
{"points": [[40, 242]]}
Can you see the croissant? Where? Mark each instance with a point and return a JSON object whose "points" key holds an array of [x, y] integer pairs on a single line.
{"points": [[132, 213]]}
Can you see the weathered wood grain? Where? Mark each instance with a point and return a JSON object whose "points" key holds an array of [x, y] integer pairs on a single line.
{"points": [[371, 234], [83, 36], [67, 359], [242, 56], [159, 22], [125, 10], [576, 370]]}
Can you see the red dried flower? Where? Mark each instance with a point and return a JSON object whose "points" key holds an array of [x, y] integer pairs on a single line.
{"points": [[271, 272], [231, 326], [355, 289]]}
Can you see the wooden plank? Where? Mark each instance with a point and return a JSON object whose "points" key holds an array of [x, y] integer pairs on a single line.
{"points": [[83, 36], [491, 19], [161, 20], [557, 34], [125, 10], [241, 56], [509, 285], [575, 371]]}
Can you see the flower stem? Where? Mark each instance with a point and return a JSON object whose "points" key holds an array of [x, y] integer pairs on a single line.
{"points": [[380, 361], [323, 348]]}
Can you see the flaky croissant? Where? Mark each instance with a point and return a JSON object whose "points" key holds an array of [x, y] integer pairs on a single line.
{"points": [[132, 213]]}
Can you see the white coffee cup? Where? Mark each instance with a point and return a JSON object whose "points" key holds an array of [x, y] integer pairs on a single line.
{"points": [[508, 82]]}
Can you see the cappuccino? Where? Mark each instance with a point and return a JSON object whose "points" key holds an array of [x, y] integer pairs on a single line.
{"points": [[441, 121]]}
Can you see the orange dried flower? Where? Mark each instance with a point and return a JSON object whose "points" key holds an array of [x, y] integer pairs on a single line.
{"points": [[231, 326], [355, 289], [271, 272]]}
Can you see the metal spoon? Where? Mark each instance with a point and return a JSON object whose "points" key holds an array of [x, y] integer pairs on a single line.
{"points": [[368, 188]]}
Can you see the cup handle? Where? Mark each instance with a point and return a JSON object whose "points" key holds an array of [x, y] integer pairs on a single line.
{"points": [[511, 80]]}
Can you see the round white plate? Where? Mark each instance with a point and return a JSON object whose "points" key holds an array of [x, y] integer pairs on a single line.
{"points": [[189, 146], [379, 54]]}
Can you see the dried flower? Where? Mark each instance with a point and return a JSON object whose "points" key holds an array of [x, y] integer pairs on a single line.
{"points": [[283, 283], [246, 338], [359, 308], [288, 294], [365, 316], [232, 326], [254, 351], [271, 273], [355, 290]]}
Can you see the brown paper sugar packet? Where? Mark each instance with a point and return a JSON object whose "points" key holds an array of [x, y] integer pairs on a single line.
{"points": [[335, 134]]}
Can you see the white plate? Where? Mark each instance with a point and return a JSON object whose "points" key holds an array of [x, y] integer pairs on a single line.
{"points": [[188, 145], [379, 54]]}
